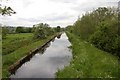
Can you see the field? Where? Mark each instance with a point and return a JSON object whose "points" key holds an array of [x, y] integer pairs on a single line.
{"points": [[23, 44], [0, 56], [89, 62], [15, 41]]}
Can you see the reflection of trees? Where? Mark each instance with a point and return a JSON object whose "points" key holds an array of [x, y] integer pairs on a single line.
{"points": [[59, 36], [53, 40], [42, 50]]}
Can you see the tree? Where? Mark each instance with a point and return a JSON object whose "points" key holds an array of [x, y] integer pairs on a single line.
{"points": [[19, 30], [101, 28], [5, 10], [39, 33], [58, 29], [28, 30], [41, 30], [33, 28]]}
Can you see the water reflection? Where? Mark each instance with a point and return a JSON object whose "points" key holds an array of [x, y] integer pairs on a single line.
{"points": [[55, 57], [59, 36]]}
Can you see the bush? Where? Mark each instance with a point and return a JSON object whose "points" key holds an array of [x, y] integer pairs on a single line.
{"points": [[39, 33], [101, 28], [106, 38]]}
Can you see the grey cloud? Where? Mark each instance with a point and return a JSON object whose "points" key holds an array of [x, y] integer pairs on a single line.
{"points": [[65, 1], [30, 19], [59, 17], [93, 5], [53, 20], [48, 18]]}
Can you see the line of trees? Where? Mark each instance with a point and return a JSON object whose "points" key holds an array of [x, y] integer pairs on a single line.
{"points": [[101, 28], [40, 30]]}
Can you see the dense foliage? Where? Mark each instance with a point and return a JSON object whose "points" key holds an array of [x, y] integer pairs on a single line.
{"points": [[58, 29], [41, 30], [100, 28]]}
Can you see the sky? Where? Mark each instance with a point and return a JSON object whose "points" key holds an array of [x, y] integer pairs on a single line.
{"points": [[53, 12]]}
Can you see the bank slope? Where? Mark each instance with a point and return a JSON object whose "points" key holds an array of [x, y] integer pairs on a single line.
{"points": [[89, 62]]}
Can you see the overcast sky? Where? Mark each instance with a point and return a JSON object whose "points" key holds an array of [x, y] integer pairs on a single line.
{"points": [[53, 12]]}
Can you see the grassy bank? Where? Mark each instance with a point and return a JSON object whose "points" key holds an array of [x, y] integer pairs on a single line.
{"points": [[89, 62], [15, 41], [11, 58]]}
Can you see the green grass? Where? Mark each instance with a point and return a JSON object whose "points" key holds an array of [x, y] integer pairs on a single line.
{"points": [[0, 56], [11, 58], [14, 37], [89, 62], [15, 41]]}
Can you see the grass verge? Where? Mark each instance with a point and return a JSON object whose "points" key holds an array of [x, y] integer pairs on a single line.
{"points": [[89, 62]]}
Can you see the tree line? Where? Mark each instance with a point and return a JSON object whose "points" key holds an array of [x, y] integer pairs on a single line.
{"points": [[101, 28], [40, 31]]}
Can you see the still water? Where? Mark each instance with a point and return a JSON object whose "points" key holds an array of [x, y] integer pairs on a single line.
{"points": [[45, 64]]}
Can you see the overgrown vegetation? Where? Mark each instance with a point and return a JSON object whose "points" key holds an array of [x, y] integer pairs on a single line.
{"points": [[89, 61], [100, 28]]}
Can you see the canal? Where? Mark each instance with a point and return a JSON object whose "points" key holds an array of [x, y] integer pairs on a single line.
{"points": [[45, 63]]}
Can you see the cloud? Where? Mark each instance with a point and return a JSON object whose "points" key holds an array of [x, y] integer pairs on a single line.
{"points": [[93, 5], [53, 12], [65, 1]]}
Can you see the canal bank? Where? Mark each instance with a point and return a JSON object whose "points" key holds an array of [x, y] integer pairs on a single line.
{"points": [[27, 57], [45, 63], [89, 62], [8, 60]]}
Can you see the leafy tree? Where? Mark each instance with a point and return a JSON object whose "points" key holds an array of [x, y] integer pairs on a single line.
{"points": [[33, 28], [6, 10], [28, 30], [41, 30], [101, 28], [39, 33], [20, 30], [58, 28]]}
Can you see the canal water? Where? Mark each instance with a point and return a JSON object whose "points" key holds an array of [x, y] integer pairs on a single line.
{"points": [[45, 64]]}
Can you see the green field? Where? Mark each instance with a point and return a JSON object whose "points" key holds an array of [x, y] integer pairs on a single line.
{"points": [[89, 62], [10, 58], [15, 41], [0, 55]]}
